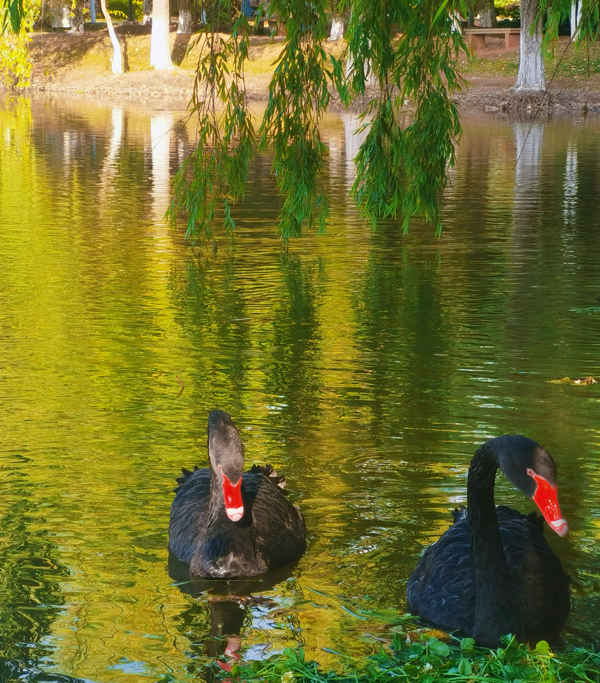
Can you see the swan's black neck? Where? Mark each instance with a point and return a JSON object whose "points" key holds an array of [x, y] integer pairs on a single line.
{"points": [[497, 608]]}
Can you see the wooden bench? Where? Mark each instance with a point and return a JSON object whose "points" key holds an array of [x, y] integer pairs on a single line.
{"points": [[272, 24], [476, 37]]}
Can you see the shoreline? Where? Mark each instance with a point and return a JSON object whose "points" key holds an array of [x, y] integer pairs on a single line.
{"points": [[79, 66]]}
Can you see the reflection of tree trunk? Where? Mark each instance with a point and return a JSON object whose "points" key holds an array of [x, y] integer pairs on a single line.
{"points": [[185, 17], [117, 67], [531, 64], [160, 54], [147, 7], [354, 136], [160, 133], [487, 13], [109, 165], [570, 184], [77, 17], [528, 140]]}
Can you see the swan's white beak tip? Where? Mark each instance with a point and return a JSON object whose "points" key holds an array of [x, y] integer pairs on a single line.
{"points": [[235, 514], [560, 526]]}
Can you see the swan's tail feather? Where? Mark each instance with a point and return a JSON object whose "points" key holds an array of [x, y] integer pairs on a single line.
{"points": [[185, 475], [268, 471]]}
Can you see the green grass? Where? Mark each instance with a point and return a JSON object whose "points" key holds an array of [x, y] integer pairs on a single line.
{"points": [[576, 63], [427, 660]]}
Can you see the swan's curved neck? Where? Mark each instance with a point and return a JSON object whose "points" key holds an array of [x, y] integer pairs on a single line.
{"points": [[497, 610]]}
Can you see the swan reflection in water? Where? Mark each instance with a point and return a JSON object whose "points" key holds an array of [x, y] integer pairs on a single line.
{"points": [[228, 602]]}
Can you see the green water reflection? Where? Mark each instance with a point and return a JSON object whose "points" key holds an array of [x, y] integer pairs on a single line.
{"points": [[366, 367]]}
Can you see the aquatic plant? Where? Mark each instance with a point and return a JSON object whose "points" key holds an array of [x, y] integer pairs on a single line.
{"points": [[430, 659]]}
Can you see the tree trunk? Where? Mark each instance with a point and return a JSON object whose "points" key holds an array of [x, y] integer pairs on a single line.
{"points": [[531, 64], [487, 14], [575, 15], [147, 8], [160, 54], [185, 17], [77, 17], [117, 65], [337, 29]]}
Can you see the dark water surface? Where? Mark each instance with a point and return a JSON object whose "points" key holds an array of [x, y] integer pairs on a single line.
{"points": [[366, 367]]}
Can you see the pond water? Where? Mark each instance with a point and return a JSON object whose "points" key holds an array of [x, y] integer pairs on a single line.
{"points": [[368, 368]]}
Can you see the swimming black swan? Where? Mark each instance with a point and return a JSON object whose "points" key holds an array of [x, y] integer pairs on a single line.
{"points": [[492, 573], [226, 524]]}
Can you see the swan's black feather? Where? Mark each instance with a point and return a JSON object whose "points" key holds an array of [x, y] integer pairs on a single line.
{"points": [[270, 535], [442, 586]]}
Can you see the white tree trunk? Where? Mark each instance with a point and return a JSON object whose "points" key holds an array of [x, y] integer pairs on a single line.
{"points": [[117, 61], [531, 64], [575, 15], [160, 53], [337, 29], [147, 8], [184, 25]]}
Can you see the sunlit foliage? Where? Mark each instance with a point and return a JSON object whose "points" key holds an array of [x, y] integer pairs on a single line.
{"points": [[16, 20]]}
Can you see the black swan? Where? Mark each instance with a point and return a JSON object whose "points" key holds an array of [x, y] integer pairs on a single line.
{"points": [[493, 573], [225, 524]]}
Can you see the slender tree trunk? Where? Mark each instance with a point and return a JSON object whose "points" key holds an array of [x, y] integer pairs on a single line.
{"points": [[531, 64], [77, 23], [185, 17], [487, 14], [147, 8], [117, 61], [575, 15], [160, 54]]}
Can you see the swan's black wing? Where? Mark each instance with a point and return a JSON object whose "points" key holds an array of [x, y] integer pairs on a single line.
{"points": [[279, 525], [188, 520], [442, 587]]}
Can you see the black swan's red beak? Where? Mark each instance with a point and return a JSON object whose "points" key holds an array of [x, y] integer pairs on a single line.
{"points": [[546, 498], [232, 493]]}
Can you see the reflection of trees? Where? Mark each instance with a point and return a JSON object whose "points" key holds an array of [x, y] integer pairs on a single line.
{"points": [[293, 378], [30, 575], [216, 320]]}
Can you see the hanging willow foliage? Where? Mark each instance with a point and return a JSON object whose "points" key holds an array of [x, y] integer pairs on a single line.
{"points": [[217, 170], [403, 51]]}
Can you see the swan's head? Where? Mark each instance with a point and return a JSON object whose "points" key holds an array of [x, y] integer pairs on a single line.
{"points": [[226, 455], [531, 468]]}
